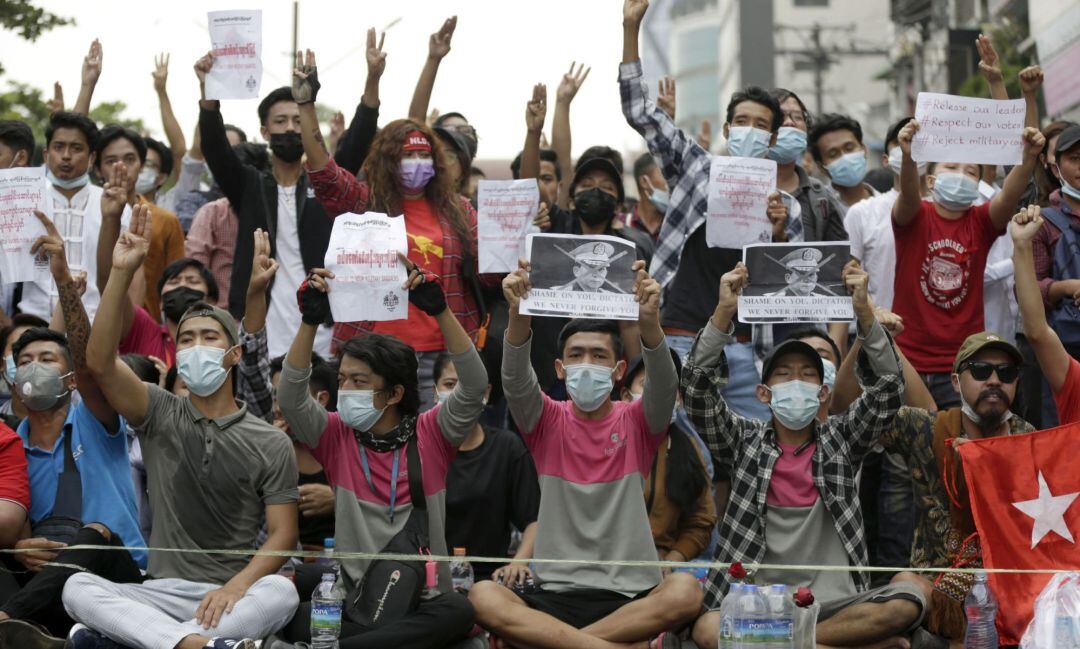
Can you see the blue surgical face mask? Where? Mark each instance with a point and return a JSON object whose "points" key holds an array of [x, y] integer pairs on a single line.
{"points": [[795, 403], [896, 158], [789, 147], [74, 183], [1069, 190], [748, 142], [849, 169], [955, 191], [661, 200], [201, 369], [589, 385], [9, 368], [830, 373], [357, 409]]}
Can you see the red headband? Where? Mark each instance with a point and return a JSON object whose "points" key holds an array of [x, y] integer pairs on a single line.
{"points": [[416, 141]]}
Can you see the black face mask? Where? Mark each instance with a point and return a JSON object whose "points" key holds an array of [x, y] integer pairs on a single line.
{"points": [[177, 301], [594, 206], [288, 147]]}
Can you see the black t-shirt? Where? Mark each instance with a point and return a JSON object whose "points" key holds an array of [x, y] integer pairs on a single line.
{"points": [[691, 296], [314, 530], [564, 222], [488, 489]]}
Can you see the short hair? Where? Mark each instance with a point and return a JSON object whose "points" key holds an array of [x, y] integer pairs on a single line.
{"points": [[931, 167], [442, 361], [581, 325], [66, 119], [477, 171], [546, 155], [36, 334], [256, 155], [143, 367], [783, 94], [18, 321], [114, 132], [643, 164], [827, 124], [441, 119], [758, 95], [323, 376], [178, 266], [17, 136], [239, 131], [276, 96], [170, 379], [601, 151], [816, 332], [164, 152], [893, 134], [390, 359]]}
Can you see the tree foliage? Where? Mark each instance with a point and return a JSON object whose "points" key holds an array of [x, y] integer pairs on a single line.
{"points": [[24, 102], [1005, 37], [28, 21]]}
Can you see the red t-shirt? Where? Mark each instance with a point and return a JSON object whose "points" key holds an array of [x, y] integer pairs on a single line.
{"points": [[792, 481], [149, 338], [939, 283], [14, 480], [420, 331], [1068, 398]]}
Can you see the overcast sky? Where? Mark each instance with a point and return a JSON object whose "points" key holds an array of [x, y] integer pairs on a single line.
{"points": [[500, 49]]}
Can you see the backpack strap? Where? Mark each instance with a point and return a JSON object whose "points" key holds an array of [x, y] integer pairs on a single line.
{"points": [[1060, 221], [416, 475]]}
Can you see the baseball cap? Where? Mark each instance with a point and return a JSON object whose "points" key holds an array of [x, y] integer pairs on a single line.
{"points": [[1068, 139], [603, 164], [204, 310], [457, 141], [791, 347], [975, 343], [638, 363]]}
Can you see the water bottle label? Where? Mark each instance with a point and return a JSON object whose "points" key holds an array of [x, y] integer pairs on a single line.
{"points": [[326, 616], [763, 631]]}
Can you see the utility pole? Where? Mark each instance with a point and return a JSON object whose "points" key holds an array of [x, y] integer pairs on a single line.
{"points": [[815, 56], [295, 32]]}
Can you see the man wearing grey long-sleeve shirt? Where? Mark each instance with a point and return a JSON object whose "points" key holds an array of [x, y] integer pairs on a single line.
{"points": [[378, 420], [592, 456]]}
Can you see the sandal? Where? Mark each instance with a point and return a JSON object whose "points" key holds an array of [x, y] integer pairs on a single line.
{"points": [[666, 640]]}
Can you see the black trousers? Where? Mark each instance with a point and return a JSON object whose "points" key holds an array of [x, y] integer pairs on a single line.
{"points": [[436, 623], [38, 598]]}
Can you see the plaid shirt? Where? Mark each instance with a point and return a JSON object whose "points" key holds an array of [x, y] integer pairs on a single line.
{"points": [[683, 162], [339, 192], [1043, 247], [841, 444], [254, 386]]}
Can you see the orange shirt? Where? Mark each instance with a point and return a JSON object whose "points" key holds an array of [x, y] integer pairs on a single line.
{"points": [[420, 331], [166, 246]]}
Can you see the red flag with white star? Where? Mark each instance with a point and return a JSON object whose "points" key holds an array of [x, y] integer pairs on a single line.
{"points": [[1025, 500]]}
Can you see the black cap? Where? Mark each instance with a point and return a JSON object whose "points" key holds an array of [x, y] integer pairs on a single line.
{"points": [[1068, 139], [458, 142], [603, 164], [791, 347], [638, 362]]}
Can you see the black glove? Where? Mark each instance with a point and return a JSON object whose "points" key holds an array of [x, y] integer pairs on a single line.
{"points": [[314, 304], [429, 297], [304, 91]]}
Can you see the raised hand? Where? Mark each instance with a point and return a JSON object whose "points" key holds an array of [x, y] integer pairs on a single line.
{"points": [[91, 67], [543, 217], [1031, 79], [305, 80], [778, 216], [376, 57], [424, 289], [439, 43], [857, 282], [264, 266], [52, 246], [56, 104], [571, 82], [1034, 141], [133, 243], [115, 194], [516, 285], [536, 109], [704, 136], [893, 323], [202, 67], [161, 72], [906, 135], [312, 298], [732, 284], [633, 11], [646, 292], [665, 96], [1026, 224], [989, 65]]}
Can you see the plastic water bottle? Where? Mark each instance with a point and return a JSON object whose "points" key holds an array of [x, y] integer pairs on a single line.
{"points": [[781, 613], [461, 572], [751, 619], [326, 604], [327, 560], [980, 607], [1066, 627], [727, 617]]}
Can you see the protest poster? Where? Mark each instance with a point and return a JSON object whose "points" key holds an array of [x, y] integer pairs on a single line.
{"points": [[579, 276], [236, 43], [796, 282], [738, 201], [22, 191], [968, 129], [363, 255], [504, 215]]}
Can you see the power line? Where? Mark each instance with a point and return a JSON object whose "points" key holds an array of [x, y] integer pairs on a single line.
{"points": [[817, 58]]}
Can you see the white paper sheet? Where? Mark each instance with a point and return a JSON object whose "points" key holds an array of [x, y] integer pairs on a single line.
{"points": [[363, 255], [967, 129], [506, 209], [739, 191], [236, 42], [21, 192]]}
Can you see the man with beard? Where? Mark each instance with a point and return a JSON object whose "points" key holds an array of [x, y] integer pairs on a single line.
{"points": [[280, 202], [985, 374]]}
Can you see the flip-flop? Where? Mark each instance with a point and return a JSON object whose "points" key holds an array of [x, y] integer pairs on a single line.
{"points": [[666, 640]]}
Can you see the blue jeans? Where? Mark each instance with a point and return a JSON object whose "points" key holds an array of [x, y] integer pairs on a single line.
{"points": [[743, 377], [896, 512], [941, 389]]}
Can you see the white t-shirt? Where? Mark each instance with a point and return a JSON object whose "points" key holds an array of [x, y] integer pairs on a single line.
{"points": [[869, 226], [283, 316]]}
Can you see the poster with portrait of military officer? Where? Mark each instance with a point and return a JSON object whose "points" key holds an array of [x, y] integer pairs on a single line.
{"points": [[796, 282], [582, 276]]}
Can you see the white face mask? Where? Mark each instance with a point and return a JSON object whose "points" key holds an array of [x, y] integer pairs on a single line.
{"points": [[896, 157], [146, 181]]}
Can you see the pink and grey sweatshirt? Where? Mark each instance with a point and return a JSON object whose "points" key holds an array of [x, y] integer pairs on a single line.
{"points": [[362, 517], [592, 475]]}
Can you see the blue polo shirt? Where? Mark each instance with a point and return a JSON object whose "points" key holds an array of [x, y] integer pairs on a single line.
{"points": [[108, 495]]}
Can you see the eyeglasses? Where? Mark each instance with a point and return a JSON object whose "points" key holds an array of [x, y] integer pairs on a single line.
{"points": [[796, 116], [980, 371]]}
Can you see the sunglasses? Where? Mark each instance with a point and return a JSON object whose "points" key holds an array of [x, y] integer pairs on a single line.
{"points": [[980, 371]]}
